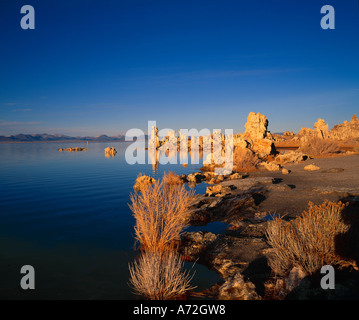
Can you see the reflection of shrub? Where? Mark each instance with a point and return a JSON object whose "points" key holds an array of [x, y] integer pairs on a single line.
{"points": [[308, 241], [172, 178], [160, 211], [316, 145], [244, 159], [160, 276]]}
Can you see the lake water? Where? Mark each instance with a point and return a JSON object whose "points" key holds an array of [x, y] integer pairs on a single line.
{"points": [[67, 215]]}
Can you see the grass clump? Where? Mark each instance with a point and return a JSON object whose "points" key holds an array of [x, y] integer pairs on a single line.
{"points": [[160, 275], [318, 146], [171, 178], [308, 241]]}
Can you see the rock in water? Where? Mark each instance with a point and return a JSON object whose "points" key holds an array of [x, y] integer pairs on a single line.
{"points": [[110, 152], [143, 182]]}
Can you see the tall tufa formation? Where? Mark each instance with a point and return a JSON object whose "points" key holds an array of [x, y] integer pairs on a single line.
{"points": [[257, 136], [256, 126], [320, 131]]}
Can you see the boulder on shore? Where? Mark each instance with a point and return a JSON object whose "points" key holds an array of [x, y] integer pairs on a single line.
{"points": [[311, 167]]}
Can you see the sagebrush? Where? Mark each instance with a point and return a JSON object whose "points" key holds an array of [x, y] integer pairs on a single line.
{"points": [[160, 211], [317, 146], [308, 241], [172, 178]]}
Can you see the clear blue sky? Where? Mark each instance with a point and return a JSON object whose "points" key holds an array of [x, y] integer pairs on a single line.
{"points": [[93, 67]]}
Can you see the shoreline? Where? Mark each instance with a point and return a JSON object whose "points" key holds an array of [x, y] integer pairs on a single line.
{"points": [[239, 254]]}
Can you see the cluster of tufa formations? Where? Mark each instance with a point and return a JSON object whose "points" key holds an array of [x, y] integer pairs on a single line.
{"points": [[257, 148], [275, 242], [348, 132]]}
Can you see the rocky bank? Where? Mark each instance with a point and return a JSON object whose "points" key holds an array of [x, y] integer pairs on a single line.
{"points": [[247, 204]]}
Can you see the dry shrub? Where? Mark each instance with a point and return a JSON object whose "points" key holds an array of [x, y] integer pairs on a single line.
{"points": [[161, 211], [244, 159], [160, 276], [316, 145], [172, 178], [308, 241]]}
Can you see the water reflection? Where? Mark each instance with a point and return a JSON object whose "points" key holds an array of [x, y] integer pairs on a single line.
{"points": [[171, 156]]}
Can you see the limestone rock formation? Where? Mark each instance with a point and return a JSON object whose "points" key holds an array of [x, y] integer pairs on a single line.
{"points": [[288, 134], [256, 126], [237, 288], [270, 166], [320, 131], [143, 181], [153, 142], [306, 133], [218, 190], [290, 157], [262, 147], [347, 130], [256, 136], [195, 177], [321, 128]]}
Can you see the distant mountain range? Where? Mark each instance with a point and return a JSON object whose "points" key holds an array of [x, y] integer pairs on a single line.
{"points": [[57, 137]]}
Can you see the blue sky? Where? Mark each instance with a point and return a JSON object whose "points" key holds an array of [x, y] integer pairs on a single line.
{"points": [[93, 67]]}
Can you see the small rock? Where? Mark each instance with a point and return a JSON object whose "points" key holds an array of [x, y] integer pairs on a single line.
{"points": [[235, 176], [143, 182], [196, 177], [295, 276], [217, 190], [311, 167], [270, 166], [285, 171], [236, 288]]}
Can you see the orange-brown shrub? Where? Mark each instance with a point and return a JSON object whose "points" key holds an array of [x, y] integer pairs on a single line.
{"points": [[244, 159], [316, 146], [172, 178], [161, 211], [160, 276], [307, 241]]}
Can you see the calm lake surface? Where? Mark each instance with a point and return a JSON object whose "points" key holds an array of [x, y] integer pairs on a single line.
{"points": [[67, 215]]}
